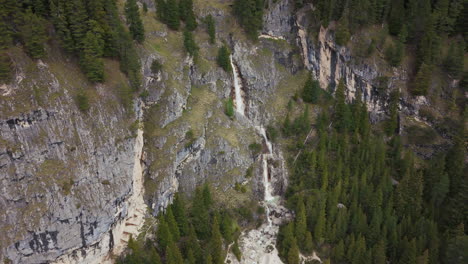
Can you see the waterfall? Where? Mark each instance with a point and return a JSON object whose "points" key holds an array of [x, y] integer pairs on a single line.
{"points": [[239, 101], [258, 245]]}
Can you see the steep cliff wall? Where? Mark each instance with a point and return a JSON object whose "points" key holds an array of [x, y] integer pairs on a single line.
{"points": [[65, 175]]}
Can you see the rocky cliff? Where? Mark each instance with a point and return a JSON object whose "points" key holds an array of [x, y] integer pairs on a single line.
{"points": [[76, 184]]}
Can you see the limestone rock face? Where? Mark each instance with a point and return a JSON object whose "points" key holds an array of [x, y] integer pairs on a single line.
{"points": [[64, 175]]}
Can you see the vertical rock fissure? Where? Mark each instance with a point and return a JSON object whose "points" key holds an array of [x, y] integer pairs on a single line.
{"points": [[133, 208]]}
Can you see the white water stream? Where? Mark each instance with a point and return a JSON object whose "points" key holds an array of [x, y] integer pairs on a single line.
{"points": [[239, 101], [258, 245]]}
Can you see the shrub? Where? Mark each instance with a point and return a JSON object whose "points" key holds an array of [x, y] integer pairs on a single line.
{"points": [[249, 172], [272, 133], [255, 148], [229, 108], [156, 66], [83, 102], [236, 251]]}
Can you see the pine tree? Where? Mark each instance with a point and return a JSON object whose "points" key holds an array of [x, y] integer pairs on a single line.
{"points": [[5, 40], [250, 16], [194, 245], [207, 198], [33, 34], [308, 244], [422, 80], [409, 252], [454, 60], [223, 59], [171, 222], [378, 253], [311, 91], [173, 255], [211, 28], [190, 257], [338, 252], [164, 234], [216, 243], [200, 215], [287, 237], [190, 45], [161, 10], [91, 61], [179, 210], [134, 21], [187, 15], [301, 224], [392, 124], [342, 34], [77, 22], [293, 254], [319, 230], [342, 111], [171, 16]]}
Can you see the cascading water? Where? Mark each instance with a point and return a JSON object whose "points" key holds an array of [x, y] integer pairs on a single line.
{"points": [[239, 101], [258, 245]]}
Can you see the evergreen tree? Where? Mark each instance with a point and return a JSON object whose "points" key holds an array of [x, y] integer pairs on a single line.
{"points": [[191, 257], [223, 59], [211, 28], [339, 251], [216, 243], [409, 252], [190, 45], [171, 16], [187, 15], [172, 224], [301, 224], [378, 253], [33, 34], [207, 198], [342, 111], [308, 244], [134, 21], [173, 255], [319, 230], [422, 80], [91, 61], [392, 124], [311, 91], [342, 34], [5, 40], [178, 208], [200, 215], [164, 235], [77, 22], [161, 10], [293, 254], [250, 16], [454, 60]]}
